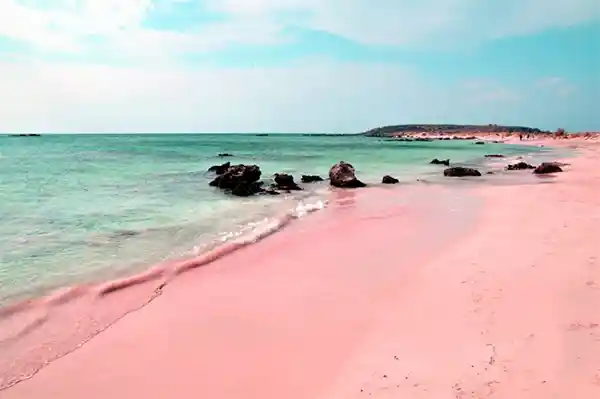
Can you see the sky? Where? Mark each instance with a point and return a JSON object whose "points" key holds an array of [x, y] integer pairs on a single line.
{"points": [[296, 65]]}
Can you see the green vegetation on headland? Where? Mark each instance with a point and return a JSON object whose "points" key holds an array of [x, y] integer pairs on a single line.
{"points": [[449, 129]]}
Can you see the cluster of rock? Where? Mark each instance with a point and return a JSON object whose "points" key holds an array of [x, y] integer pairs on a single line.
{"points": [[244, 180], [459, 171], [542, 169], [240, 180]]}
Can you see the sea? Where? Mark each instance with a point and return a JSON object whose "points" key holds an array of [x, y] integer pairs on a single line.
{"points": [[83, 208]]}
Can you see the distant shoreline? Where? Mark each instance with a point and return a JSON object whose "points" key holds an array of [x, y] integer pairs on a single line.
{"points": [[386, 131], [460, 130]]}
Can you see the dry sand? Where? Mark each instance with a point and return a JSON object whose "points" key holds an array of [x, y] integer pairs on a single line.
{"points": [[427, 292]]}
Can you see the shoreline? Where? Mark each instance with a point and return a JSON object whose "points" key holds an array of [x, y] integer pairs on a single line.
{"points": [[210, 279], [315, 192], [187, 293], [318, 199]]}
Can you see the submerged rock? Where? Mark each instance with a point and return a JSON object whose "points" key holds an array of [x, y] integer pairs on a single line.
{"points": [[389, 180], [311, 178], [240, 180], [548, 167], [225, 154], [480, 142], [283, 181], [459, 171], [520, 166], [494, 156], [440, 162], [220, 169], [343, 175]]}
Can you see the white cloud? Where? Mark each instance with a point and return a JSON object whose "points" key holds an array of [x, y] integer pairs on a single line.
{"points": [[62, 24], [490, 91], [307, 96], [116, 28], [314, 95], [418, 22], [556, 85], [77, 25]]}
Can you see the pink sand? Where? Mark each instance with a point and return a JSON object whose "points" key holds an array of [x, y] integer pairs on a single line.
{"points": [[427, 292]]}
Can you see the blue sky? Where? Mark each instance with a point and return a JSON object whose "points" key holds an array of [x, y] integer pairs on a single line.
{"points": [[296, 65]]}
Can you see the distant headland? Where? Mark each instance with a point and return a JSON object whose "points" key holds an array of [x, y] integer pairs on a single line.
{"points": [[392, 130]]}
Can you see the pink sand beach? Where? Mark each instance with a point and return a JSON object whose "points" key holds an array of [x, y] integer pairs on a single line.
{"points": [[421, 291]]}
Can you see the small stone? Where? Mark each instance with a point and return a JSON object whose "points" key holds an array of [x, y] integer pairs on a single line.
{"points": [[436, 161], [520, 166], [459, 171], [389, 180], [547, 167]]}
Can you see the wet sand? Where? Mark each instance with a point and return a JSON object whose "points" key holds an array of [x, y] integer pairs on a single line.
{"points": [[428, 292]]}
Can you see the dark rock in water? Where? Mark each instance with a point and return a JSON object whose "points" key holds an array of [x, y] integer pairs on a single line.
{"points": [[520, 166], [220, 169], [459, 171], [489, 173], [548, 167], [26, 135], [480, 142], [225, 154], [494, 156], [311, 178], [244, 189], [440, 162], [423, 139], [343, 175], [389, 180], [240, 180], [283, 181]]}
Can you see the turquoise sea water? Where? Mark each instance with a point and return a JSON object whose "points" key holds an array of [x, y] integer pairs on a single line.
{"points": [[78, 208]]}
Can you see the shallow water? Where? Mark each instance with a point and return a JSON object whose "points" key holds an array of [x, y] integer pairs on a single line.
{"points": [[82, 208]]}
